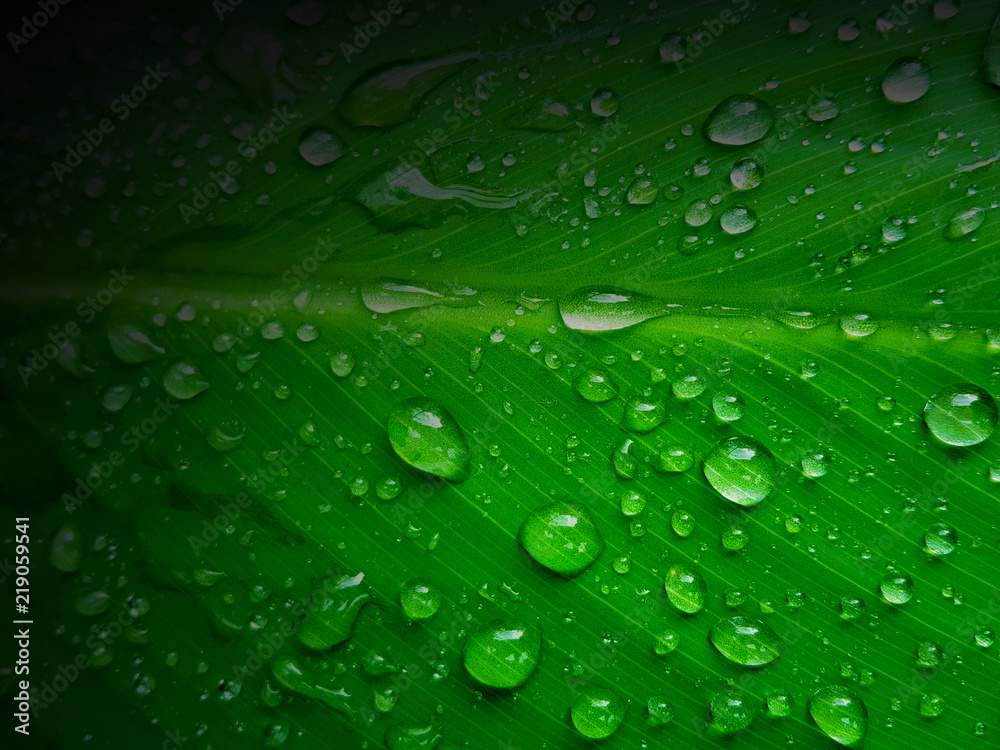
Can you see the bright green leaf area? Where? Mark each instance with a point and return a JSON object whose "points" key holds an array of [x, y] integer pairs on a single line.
{"points": [[245, 475]]}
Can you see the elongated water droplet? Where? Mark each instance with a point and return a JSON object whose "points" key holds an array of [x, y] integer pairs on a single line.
{"points": [[683, 523], [685, 589], [840, 713], [738, 120], [562, 536], [392, 95], [427, 437], [741, 470], [746, 641], [132, 344], [332, 613], [608, 309], [502, 654], [412, 735], [906, 80], [675, 459], [965, 221], [642, 191], [961, 415], [597, 713], [116, 397]]}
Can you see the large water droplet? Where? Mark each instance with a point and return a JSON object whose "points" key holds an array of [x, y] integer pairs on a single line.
{"points": [[896, 588], [840, 713], [740, 469], [961, 415], [392, 95], [420, 599], [738, 219], [608, 309], [731, 711], [502, 654], [597, 713], [562, 536], [333, 612], [728, 406], [685, 589], [738, 120], [965, 221], [643, 413], [747, 173], [746, 641], [132, 344], [906, 80], [940, 539], [226, 436], [596, 386], [319, 146], [184, 380], [427, 437]]}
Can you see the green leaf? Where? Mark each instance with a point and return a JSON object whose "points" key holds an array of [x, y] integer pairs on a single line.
{"points": [[211, 395]]}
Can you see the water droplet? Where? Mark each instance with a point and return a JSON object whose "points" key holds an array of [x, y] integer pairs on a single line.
{"points": [[675, 459], [388, 488], [642, 191], [474, 163], [659, 711], [420, 599], [643, 414], [894, 229], [427, 437], [562, 537], [738, 120], [183, 380], [132, 345], [685, 589], [840, 714], [738, 219], [502, 654], [945, 9], [307, 332], [319, 146], [342, 363], [859, 325], [67, 548], [388, 295], [731, 711], [597, 713], [632, 502], [728, 406], [896, 588], [688, 387], [931, 705], [848, 30], [672, 48], [734, 538], [333, 611], [906, 80], [961, 415], [226, 436], [779, 704], [392, 95], [746, 174], [815, 464], [116, 397], [604, 103], [964, 221], [666, 641], [413, 735], [683, 523], [741, 470], [940, 539], [596, 386], [823, 110], [746, 641], [698, 213], [607, 309]]}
